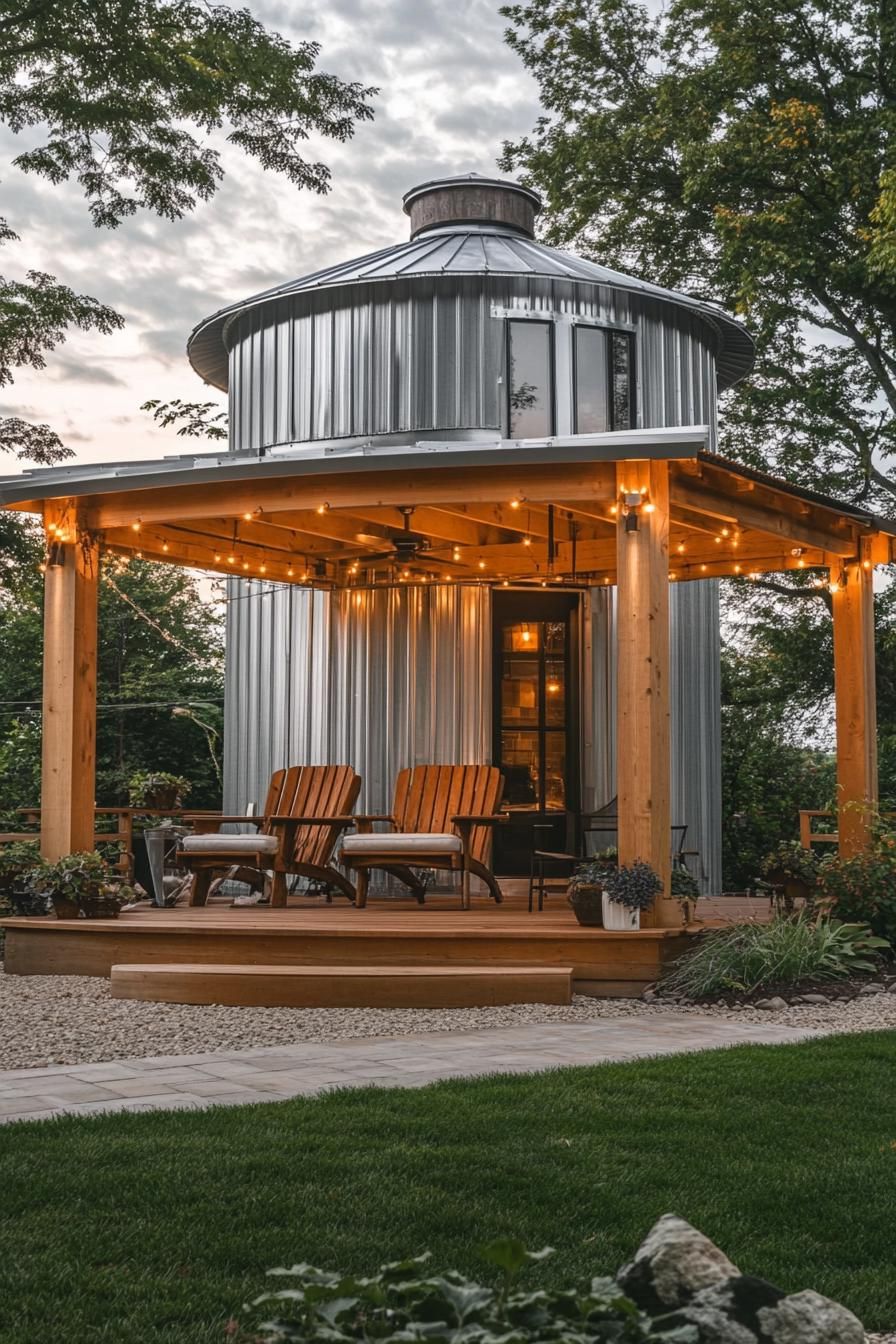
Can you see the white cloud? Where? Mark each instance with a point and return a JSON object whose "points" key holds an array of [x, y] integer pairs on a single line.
{"points": [[451, 92]]}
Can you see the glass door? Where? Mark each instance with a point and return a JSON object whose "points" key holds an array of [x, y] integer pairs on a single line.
{"points": [[534, 715]]}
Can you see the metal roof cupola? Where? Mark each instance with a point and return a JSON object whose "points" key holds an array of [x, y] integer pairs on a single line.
{"points": [[471, 199]]}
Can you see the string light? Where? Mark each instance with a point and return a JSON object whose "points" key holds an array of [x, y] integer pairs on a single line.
{"points": [[135, 527], [614, 509], [482, 564], [703, 569], [247, 517], [527, 541], [322, 508], [718, 541], [165, 547], [725, 532], [681, 548], [245, 564], [290, 572], [648, 507], [514, 503], [262, 569], [737, 569], [231, 559]]}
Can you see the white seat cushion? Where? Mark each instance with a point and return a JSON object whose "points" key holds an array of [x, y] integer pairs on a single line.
{"points": [[230, 844], [409, 843]]}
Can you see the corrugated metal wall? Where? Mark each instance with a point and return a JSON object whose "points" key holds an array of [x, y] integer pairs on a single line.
{"points": [[427, 356], [381, 679], [378, 679]]}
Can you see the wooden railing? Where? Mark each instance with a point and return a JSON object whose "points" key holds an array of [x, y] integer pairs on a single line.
{"points": [[810, 837], [120, 832]]}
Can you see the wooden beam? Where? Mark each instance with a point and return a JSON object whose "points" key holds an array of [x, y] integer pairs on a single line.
{"points": [[777, 519], [352, 490], [642, 682], [852, 601], [68, 770]]}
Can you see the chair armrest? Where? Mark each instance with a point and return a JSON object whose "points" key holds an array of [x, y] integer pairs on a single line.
{"points": [[206, 824], [364, 821], [311, 821], [493, 819]]}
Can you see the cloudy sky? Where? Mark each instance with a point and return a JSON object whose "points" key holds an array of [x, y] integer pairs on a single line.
{"points": [[451, 92]]}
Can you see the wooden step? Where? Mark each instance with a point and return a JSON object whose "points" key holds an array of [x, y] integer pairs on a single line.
{"points": [[455, 986]]}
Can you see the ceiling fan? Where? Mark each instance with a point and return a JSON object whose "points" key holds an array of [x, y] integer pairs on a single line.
{"points": [[405, 548]]}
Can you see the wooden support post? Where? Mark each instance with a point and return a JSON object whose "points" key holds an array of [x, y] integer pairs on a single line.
{"points": [[852, 599], [642, 710], [68, 773]]}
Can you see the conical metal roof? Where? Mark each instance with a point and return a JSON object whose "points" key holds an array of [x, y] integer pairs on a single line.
{"points": [[467, 249]]}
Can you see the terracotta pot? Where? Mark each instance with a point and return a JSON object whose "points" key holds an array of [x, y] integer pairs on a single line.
{"points": [[587, 905]]}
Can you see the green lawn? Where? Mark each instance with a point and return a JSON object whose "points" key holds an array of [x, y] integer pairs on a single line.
{"points": [[157, 1227]]}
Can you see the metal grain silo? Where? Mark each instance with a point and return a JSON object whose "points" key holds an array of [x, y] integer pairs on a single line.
{"points": [[471, 331]]}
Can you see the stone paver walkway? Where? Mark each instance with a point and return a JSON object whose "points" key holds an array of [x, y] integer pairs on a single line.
{"points": [[175, 1082]]}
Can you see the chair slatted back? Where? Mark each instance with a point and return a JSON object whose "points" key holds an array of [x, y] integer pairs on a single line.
{"points": [[313, 791], [428, 796]]}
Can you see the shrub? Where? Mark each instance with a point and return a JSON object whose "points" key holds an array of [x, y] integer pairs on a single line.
{"points": [[791, 860], [863, 888], [748, 957]]}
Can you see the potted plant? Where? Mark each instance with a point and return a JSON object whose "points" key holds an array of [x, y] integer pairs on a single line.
{"points": [[628, 890], [793, 871], [158, 790], [684, 889], [18, 862], [82, 884], [586, 890]]}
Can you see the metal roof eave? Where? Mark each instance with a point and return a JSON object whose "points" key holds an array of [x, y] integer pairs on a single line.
{"points": [[44, 483]]}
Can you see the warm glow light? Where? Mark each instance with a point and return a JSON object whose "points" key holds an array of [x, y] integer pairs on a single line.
{"points": [[290, 572], [866, 564], [514, 503], [525, 636], [649, 508], [681, 548], [165, 546], [135, 527], [527, 541], [614, 508], [703, 568], [801, 564], [245, 564], [737, 569], [262, 569], [322, 508], [231, 559], [725, 531], [553, 687], [482, 564], [718, 541], [248, 517]]}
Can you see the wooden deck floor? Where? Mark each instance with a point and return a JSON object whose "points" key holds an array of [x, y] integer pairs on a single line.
{"points": [[309, 932]]}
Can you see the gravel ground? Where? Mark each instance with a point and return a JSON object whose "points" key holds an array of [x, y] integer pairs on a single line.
{"points": [[74, 1020]]}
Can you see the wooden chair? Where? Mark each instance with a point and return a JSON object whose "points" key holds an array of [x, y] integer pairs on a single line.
{"points": [[441, 818], [306, 810]]}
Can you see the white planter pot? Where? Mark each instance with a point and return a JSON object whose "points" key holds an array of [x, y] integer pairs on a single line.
{"points": [[618, 916]]}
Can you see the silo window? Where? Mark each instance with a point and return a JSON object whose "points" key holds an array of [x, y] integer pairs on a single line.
{"points": [[603, 380], [531, 379]]}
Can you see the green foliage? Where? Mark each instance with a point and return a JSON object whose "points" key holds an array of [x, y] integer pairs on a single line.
{"points": [[864, 887], [145, 785], [18, 858], [123, 97], [683, 885], [592, 873], [82, 878], [744, 958], [791, 861], [636, 886], [743, 151], [404, 1302], [195, 419], [160, 652]]}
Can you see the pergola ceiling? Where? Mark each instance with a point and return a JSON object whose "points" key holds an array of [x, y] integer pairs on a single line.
{"points": [[539, 524]]}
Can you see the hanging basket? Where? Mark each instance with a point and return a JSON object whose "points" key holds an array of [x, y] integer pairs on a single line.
{"points": [[587, 905]]}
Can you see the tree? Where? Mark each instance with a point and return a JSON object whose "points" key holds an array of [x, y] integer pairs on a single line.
{"points": [[129, 92], [159, 683], [744, 150]]}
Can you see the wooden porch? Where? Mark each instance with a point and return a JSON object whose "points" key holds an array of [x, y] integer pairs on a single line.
{"points": [[395, 934]]}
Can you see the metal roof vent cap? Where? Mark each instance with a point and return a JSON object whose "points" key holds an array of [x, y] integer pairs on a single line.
{"points": [[471, 199]]}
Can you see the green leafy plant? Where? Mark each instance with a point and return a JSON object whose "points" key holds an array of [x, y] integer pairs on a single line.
{"points": [[864, 886], [592, 873], [85, 879], [404, 1302], [683, 885], [635, 886], [747, 957], [16, 859], [790, 860], [147, 787]]}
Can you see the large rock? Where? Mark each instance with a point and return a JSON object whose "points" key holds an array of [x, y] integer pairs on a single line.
{"points": [[674, 1262], [680, 1279]]}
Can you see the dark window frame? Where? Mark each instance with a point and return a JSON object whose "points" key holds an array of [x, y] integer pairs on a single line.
{"points": [[552, 369], [610, 332]]}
